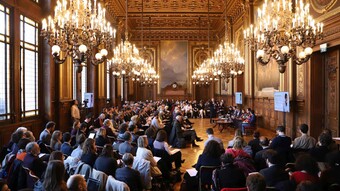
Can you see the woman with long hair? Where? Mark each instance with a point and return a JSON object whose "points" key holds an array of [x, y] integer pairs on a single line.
{"points": [[54, 176], [161, 144], [106, 162], [89, 155], [56, 140], [307, 169], [101, 138]]}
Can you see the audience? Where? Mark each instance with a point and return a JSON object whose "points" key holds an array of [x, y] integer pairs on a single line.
{"points": [[54, 176], [32, 160], [126, 146], [211, 136], [46, 134], [89, 155], [256, 182], [56, 140], [106, 161], [307, 169], [304, 142], [101, 138], [66, 147], [229, 175], [323, 148], [281, 143], [76, 183], [128, 175]]}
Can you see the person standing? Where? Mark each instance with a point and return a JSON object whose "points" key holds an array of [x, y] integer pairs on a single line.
{"points": [[75, 113], [212, 108]]}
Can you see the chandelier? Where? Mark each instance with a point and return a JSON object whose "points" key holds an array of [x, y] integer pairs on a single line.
{"points": [[203, 75], [77, 29], [285, 30], [146, 76], [126, 61]]}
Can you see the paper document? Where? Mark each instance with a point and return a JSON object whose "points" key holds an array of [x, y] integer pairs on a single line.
{"points": [[192, 172], [157, 158]]}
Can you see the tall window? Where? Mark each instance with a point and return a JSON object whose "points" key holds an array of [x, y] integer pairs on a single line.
{"points": [[83, 82], [4, 63], [29, 66], [107, 80]]}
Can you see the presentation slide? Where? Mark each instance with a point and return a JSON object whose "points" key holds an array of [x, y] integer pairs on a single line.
{"points": [[281, 101], [89, 97], [238, 97]]}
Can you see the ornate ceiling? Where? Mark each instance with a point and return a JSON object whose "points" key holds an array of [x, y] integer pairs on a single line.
{"points": [[174, 19]]}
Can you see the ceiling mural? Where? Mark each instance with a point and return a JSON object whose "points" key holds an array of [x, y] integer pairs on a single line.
{"points": [[174, 19]]}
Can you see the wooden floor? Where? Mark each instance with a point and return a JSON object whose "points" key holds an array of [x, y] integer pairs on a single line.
{"points": [[191, 154]]}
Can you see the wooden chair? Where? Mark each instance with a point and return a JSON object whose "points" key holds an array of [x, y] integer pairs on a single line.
{"points": [[205, 177]]}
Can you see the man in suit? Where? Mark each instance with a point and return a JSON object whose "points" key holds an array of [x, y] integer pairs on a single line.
{"points": [[182, 132], [212, 109], [274, 173], [45, 135], [66, 147], [249, 122], [128, 175], [32, 161], [126, 146]]}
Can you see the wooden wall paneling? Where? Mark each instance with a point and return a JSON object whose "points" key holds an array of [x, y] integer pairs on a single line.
{"points": [[317, 92], [64, 122], [332, 91]]}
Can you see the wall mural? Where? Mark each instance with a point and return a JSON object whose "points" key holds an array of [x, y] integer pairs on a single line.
{"points": [[174, 63]]}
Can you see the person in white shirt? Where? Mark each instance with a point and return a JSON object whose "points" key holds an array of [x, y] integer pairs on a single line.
{"points": [[211, 136], [156, 121], [75, 113]]}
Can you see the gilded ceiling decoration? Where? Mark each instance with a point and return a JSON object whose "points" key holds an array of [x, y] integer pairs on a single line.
{"points": [[175, 19]]}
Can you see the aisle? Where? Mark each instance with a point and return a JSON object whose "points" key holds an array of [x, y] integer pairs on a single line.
{"points": [[191, 154]]}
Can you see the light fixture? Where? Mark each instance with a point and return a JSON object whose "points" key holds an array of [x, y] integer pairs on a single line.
{"points": [[284, 30], [77, 29], [126, 60]]}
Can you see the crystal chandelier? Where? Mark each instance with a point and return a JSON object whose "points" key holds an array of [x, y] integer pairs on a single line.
{"points": [[203, 75], [77, 29], [284, 30], [126, 61], [146, 76]]}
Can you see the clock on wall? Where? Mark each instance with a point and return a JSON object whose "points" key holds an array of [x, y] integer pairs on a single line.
{"points": [[174, 85]]}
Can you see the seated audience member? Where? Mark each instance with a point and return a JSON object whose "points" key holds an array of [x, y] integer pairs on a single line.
{"points": [[229, 175], [275, 172], [307, 186], [29, 135], [126, 146], [54, 176], [307, 169], [179, 134], [144, 153], [322, 149], [128, 175], [56, 140], [304, 142], [78, 152], [238, 133], [46, 134], [101, 138], [66, 147], [122, 129], [76, 183], [22, 148], [249, 121], [331, 175], [97, 123], [260, 161], [75, 128], [210, 157], [151, 135], [105, 162], [333, 146], [281, 143], [237, 149], [89, 155], [255, 143], [255, 182], [156, 121], [161, 144], [56, 155], [12, 146], [108, 126], [32, 161], [133, 131], [211, 136]]}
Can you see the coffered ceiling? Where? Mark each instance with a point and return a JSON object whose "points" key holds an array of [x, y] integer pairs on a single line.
{"points": [[174, 19]]}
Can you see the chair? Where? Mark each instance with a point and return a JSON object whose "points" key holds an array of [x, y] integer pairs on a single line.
{"points": [[234, 189], [101, 177], [31, 179], [114, 185], [249, 129], [205, 177]]}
